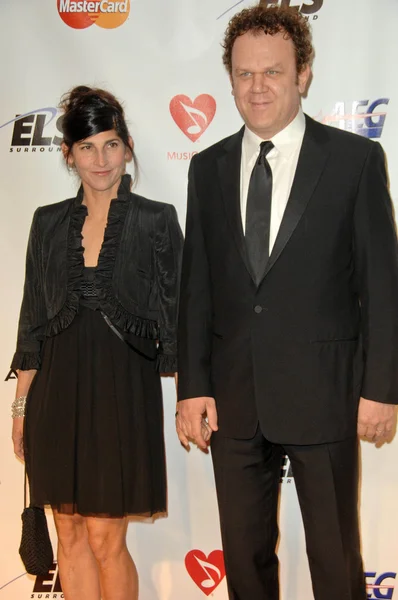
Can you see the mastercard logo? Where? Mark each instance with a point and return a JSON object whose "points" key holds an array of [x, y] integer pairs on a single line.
{"points": [[82, 14]]}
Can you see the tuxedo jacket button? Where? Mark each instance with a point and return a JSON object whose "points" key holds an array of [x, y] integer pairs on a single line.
{"points": [[258, 309]]}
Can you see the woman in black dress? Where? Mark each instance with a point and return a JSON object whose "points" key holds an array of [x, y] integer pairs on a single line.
{"points": [[97, 327]]}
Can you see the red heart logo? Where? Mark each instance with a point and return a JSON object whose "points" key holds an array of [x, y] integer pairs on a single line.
{"points": [[193, 118], [206, 571]]}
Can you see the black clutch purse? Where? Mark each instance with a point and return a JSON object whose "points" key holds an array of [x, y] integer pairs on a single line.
{"points": [[35, 549]]}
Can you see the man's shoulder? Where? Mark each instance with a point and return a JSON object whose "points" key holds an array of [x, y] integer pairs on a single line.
{"points": [[219, 148], [339, 137]]}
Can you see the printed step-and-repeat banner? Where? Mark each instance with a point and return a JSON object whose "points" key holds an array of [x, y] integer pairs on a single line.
{"points": [[163, 60]]}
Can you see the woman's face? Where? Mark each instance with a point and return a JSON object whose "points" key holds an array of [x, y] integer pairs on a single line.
{"points": [[100, 160]]}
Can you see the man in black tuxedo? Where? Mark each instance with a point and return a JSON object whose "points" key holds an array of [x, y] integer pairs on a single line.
{"points": [[288, 333]]}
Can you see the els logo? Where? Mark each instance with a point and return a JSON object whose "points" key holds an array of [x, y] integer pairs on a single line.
{"points": [[308, 8], [380, 586], [361, 116], [193, 117], [49, 585], [206, 571], [31, 133], [105, 13]]}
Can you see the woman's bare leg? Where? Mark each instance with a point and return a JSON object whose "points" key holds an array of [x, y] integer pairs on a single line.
{"points": [[117, 572], [78, 569]]}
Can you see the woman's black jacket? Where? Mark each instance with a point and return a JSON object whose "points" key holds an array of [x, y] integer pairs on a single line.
{"points": [[137, 275]]}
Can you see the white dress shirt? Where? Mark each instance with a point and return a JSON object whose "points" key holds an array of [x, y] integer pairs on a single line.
{"points": [[282, 159]]}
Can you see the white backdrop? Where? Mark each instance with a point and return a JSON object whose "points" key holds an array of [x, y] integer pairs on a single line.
{"points": [[163, 59]]}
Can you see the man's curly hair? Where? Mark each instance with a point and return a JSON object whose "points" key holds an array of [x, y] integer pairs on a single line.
{"points": [[270, 20]]}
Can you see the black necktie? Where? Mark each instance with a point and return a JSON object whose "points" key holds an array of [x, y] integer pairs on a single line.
{"points": [[258, 212]]}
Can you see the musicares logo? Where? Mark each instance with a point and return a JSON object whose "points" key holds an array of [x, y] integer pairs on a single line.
{"points": [[206, 571], [105, 13], [193, 117]]}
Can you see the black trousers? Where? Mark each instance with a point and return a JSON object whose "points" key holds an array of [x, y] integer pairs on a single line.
{"points": [[247, 474]]}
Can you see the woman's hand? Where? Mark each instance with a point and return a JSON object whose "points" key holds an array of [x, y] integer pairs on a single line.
{"points": [[24, 382], [17, 436]]}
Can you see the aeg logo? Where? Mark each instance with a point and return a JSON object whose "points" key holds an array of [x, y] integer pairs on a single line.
{"points": [[29, 131], [49, 585], [105, 13], [381, 586], [360, 116]]}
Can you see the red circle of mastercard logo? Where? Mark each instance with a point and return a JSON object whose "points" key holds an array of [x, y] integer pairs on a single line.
{"points": [[84, 13]]}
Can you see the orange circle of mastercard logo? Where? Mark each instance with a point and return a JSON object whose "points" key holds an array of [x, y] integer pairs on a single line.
{"points": [[83, 13]]}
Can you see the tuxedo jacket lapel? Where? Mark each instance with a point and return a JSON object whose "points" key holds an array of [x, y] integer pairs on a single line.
{"points": [[229, 164], [313, 156]]}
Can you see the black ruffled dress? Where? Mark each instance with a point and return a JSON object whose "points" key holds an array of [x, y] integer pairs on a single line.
{"points": [[94, 418]]}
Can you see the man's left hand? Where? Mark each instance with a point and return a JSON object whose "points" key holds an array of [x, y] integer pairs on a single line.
{"points": [[375, 419]]}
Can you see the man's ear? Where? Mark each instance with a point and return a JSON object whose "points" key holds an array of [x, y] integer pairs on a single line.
{"points": [[303, 79], [232, 84]]}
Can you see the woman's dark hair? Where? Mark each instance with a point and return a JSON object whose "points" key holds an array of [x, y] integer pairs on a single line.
{"points": [[88, 111]]}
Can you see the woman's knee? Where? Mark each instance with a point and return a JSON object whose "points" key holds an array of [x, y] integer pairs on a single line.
{"points": [[71, 531], [107, 538]]}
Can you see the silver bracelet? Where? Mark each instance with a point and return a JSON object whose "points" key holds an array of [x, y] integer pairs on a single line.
{"points": [[18, 407]]}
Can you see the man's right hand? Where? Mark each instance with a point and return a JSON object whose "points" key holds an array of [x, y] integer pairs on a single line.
{"points": [[191, 421]]}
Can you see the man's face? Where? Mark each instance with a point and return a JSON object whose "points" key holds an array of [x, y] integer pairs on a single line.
{"points": [[265, 83]]}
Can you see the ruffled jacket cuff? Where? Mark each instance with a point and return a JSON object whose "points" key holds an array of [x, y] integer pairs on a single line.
{"points": [[166, 363], [25, 361]]}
